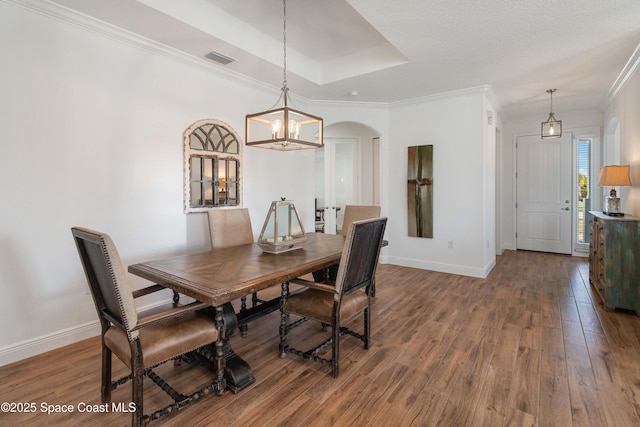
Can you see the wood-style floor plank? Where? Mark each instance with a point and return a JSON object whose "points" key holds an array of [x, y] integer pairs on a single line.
{"points": [[529, 345]]}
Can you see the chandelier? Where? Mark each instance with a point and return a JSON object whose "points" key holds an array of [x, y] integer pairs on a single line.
{"points": [[552, 128], [283, 128]]}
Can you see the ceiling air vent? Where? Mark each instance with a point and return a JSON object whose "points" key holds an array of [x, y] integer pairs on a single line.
{"points": [[219, 58]]}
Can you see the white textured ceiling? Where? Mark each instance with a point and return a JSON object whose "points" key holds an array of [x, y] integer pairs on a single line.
{"points": [[392, 50]]}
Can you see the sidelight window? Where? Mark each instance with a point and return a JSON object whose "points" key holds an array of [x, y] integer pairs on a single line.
{"points": [[584, 149]]}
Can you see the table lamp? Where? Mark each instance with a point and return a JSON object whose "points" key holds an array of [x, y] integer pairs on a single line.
{"points": [[613, 176]]}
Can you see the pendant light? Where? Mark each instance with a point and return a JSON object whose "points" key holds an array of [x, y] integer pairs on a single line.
{"points": [[283, 128], [552, 128]]}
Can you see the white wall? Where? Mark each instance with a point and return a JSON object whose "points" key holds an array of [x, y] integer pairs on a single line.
{"points": [[91, 134], [490, 164], [625, 109], [455, 125]]}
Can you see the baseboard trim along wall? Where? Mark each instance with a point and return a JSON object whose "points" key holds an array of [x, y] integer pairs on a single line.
{"points": [[443, 268], [22, 350], [42, 344]]}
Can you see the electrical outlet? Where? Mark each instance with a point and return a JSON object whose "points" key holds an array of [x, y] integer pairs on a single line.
{"points": [[450, 244]]}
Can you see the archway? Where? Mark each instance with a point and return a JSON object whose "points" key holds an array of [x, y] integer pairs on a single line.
{"points": [[347, 171]]}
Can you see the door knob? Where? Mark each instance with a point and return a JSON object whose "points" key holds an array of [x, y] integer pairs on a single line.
{"points": [[564, 209]]}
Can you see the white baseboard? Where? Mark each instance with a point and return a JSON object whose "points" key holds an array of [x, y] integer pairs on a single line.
{"points": [[489, 267], [22, 350], [507, 247], [442, 267], [42, 344]]}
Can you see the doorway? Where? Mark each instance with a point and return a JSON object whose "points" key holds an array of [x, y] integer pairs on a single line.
{"points": [[347, 173], [543, 187]]}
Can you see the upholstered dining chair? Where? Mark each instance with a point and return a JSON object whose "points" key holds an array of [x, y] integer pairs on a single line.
{"points": [[232, 227], [143, 342], [351, 213], [357, 213], [335, 303], [229, 227]]}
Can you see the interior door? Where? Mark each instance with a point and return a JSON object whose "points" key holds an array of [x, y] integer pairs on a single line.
{"points": [[543, 209], [336, 180]]}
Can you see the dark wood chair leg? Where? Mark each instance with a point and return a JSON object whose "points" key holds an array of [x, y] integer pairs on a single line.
{"points": [[106, 374], [137, 372], [283, 336], [335, 349], [284, 317], [367, 329]]}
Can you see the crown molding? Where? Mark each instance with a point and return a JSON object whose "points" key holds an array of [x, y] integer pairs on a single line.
{"points": [[624, 76], [485, 89], [364, 104]]}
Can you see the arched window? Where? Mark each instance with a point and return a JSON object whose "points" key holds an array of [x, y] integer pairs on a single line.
{"points": [[212, 173]]}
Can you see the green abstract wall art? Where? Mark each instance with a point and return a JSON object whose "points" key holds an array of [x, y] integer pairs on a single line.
{"points": [[420, 191]]}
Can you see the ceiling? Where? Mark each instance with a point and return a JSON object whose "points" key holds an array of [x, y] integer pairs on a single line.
{"points": [[393, 50]]}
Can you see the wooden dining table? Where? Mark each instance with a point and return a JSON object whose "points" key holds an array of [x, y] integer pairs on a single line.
{"points": [[219, 276]]}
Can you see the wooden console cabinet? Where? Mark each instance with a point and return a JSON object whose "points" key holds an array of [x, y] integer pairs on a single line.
{"points": [[614, 260]]}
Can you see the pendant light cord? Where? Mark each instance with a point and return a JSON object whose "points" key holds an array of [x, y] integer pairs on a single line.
{"points": [[284, 43]]}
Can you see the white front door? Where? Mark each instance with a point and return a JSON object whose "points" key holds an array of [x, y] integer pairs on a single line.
{"points": [[543, 209]]}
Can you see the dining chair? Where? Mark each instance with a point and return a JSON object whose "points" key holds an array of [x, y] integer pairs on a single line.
{"points": [[358, 213], [229, 227], [319, 218], [232, 227], [351, 213], [337, 302], [140, 341]]}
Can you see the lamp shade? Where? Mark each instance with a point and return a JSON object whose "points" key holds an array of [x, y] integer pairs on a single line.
{"points": [[614, 176]]}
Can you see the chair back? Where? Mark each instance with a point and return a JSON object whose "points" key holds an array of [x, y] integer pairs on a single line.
{"points": [[360, 255], [229, 227], [358, 213], [106, 277]]}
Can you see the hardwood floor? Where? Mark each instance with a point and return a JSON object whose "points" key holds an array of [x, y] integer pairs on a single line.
{"points": [[529, 345]]}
